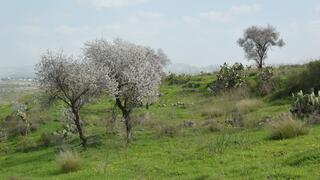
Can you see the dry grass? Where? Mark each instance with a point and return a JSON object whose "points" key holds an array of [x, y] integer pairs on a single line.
{"points": [[286, 127], [247, 105], [213, 126], [68, 161], [169, 131]]}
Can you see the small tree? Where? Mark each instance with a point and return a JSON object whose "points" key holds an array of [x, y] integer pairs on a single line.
{"points": [[71, 80], [21, 111], [136, 71], [257, 41]]}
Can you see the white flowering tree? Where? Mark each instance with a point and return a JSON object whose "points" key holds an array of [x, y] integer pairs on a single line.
{"points": [[71, 80], [136, 71], [257, 41]]}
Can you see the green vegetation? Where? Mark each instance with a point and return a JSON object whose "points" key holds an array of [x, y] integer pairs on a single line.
{"points": [[189, 133]]}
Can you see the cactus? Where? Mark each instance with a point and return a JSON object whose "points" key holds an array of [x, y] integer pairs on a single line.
{"points": [[229, 77], [305, 104]]}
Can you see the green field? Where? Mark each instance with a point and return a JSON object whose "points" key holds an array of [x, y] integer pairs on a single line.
{"points": [[163, 148]]}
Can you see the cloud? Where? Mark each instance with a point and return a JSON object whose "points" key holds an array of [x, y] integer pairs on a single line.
{"points": [[111, 3], [233, 12]]}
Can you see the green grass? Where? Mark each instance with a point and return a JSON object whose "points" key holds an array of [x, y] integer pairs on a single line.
{"points": [[194, 153]]}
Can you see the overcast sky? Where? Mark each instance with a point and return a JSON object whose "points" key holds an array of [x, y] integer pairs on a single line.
{"points": [[195, 32]]}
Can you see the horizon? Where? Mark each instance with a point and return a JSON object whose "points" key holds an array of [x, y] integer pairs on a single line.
{"points": [[196, 34]]}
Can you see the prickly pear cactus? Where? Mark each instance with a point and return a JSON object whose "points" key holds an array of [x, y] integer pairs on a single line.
{"points": [[229, 77], [305, 104]]}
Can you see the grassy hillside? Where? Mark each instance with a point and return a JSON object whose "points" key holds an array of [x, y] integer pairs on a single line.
{"points": [[165, 145]]}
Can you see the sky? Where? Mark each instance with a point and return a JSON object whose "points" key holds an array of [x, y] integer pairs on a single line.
{"points": [[194, 32]]}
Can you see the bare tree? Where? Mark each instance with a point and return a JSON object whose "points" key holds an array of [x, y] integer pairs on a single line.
{"points": [[257, 41], [135, 69], [71, 80]]}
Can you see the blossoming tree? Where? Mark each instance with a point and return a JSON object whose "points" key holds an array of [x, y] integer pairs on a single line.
{"points": [[136, 70], [71, 80]]}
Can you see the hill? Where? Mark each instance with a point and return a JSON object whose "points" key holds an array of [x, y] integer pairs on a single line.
{"points": [[188, 133]]}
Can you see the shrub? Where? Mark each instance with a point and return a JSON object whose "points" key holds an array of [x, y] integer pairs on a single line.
{"points": [[266, 82], [3, 135], [213, 126], [229, 77], [174, 79], [286, 127], [26, 144], [169, 130], [212, 112], [14, 126], [313, 119], [247, 105], [235, 119], [304, 80], [48, 139], [68, 161]]}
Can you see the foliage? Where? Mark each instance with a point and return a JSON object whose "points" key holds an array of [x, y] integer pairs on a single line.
{"points": [[3, 135], [26, 144], [266, 83], [21, 112], [174, 79], [257, 41], [305, 104], [306, 78], [229, 77], [68, 161], [286, 127]]}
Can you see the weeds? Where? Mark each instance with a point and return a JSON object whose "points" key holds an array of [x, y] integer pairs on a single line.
{"points": [[68, 161], [286, 127]]}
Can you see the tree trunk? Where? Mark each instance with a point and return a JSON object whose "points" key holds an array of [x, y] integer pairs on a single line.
{"points": [[79, 128], [127, 120]]}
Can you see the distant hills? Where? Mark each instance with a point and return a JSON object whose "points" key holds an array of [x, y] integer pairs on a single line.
{"points": [[178, 68], [17, 72]]}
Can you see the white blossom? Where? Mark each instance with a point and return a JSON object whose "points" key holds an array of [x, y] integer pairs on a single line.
{"points": [[136, 70], [71, 79]]}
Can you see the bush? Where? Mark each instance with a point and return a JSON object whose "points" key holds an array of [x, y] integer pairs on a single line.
{"points": [[174, 79], [14, 126], [46, 140], [266, 82], [304, 80], [213, 126], [286, 127], [169, 130], [68, 161], [25, 144], [229, 77], [247, 105], [3, 135]]}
